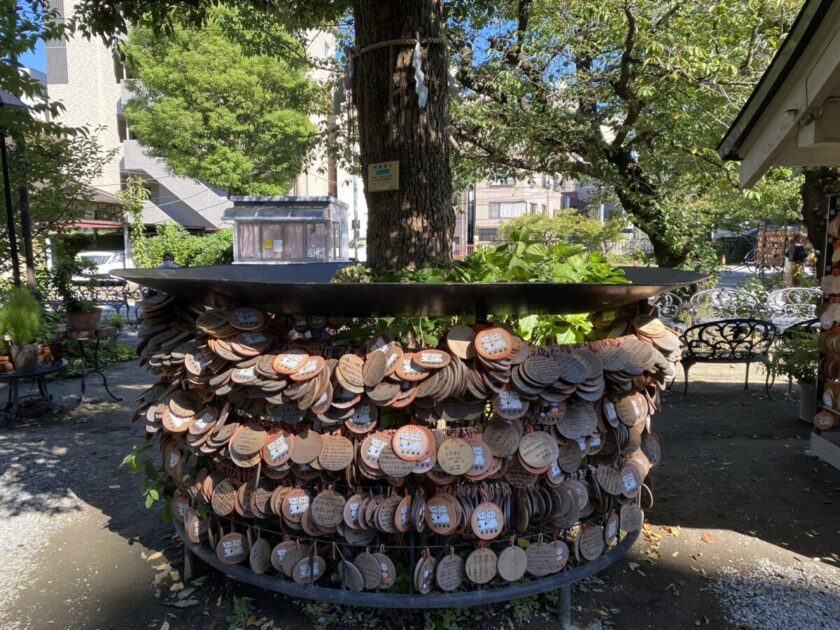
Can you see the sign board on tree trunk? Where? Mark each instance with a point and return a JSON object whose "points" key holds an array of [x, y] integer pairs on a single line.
{"points": [[384, 176]]}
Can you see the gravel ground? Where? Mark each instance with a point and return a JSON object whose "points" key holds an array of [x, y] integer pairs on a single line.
{"points": [[776, 597], [26, 520]]}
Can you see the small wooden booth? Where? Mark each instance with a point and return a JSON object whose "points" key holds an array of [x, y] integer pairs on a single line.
{"points": [[793, 118]]}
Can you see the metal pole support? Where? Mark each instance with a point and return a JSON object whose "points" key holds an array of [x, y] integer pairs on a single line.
{"points": [[564, 606]]}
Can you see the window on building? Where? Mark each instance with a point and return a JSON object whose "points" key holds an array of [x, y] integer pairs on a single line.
{"points": [[122, 128], [543, 208], [119, 68], [502, 181], [487, 234], [546, 180], [506, 209], [287, 241], [533, 208]]}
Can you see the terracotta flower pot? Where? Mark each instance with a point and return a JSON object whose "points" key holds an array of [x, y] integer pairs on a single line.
{"points": [[84, 320], [24, 357]]}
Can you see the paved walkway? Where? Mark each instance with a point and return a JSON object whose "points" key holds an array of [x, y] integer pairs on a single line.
{"points": [[736, 497]]}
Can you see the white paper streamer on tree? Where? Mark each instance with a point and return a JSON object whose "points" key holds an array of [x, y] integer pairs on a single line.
{"points": [[419, 76]]}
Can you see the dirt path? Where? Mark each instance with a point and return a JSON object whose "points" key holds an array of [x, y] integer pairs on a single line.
{"points": [[736, 491]]}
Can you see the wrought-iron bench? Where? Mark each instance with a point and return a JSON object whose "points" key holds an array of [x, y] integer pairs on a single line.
{"points": [[793, 305], [723, 303], [736, 340]]}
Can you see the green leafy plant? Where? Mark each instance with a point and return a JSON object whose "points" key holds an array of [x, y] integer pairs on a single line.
{"points": [[20, 316], [241, 612], [62, 279], [796, 357], [109, 353], [114, 319], [155, 487], [525, 257]]}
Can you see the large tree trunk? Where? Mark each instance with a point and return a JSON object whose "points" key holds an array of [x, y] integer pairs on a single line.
{"points": [[412, 226], [820, 182]]}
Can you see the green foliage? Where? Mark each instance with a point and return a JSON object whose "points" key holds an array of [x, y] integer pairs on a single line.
{"points": [[526, 257], [567, 225], [133, 194], [155, 488], [796, 357], [109, 353], [217, 113], [114, 319], [632, 95], [20, 316], [61, 278], [189, 250], [241, 612]]}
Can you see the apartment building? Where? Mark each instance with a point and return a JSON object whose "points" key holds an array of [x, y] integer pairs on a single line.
{"points": [[89, 80], [492, 202]]}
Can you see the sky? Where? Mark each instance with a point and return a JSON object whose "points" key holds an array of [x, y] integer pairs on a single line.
{"points": [[35, 58]]}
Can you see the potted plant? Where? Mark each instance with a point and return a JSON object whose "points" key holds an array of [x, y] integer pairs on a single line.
{"points": [[20, 321], [81, 313], [797, 358]]}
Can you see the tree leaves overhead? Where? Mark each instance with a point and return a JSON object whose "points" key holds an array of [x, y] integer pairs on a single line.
{"points": [[632, 94], [214, 113]]}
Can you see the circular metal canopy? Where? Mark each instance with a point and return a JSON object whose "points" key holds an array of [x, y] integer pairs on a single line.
{"points": [[306, 289]]}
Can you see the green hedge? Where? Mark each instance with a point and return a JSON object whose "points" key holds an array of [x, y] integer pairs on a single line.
{"points": [[189, 250]]}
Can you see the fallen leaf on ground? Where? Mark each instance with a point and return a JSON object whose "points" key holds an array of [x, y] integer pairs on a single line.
{"points": [[186, 603], [178, 586], [707, 538], [186, 593], [164, 625], [154, 556]]}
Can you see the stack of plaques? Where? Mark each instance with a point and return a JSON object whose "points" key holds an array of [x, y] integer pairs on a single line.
{"points": [[498, 459]]}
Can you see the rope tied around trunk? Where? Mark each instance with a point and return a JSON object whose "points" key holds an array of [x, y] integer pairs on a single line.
{"points": [[405, 41]]}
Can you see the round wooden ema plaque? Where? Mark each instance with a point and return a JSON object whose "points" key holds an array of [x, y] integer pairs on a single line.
{"points": [[431, 358], [371, 449], [294, 552], [455, 456], [630, 481], [387, 570], [424, 574], [246, 318], [295, 504], [487, 521], [289, 361], [350, 373], [512, 563], [509, 404], [535, 449], [631, 518], [224, 496], [249, 440], [196, 529], [561, 555], [350, 575], [450, 572], [440, 516], [501, 437], [327, 509], [591, 542], [278, 447], [307, 448], [609, 479], [232, 548], [494, 344], [540, 559], [309, 370], [460, 340], [402, 515], [410, 443], [368, 567], [611, 530], [631, 409], [570, 456], [580, 420], [307, 571], [481, 566], [336, 453], [260, 556], [391, 464]]}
